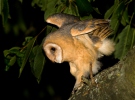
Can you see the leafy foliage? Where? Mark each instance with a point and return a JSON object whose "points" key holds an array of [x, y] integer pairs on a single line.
{"points": [[39, 61], [4, 11], [30, 52], [122, 18]]}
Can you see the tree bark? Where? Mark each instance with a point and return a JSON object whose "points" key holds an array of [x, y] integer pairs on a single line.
{"points": [[114, 83]]}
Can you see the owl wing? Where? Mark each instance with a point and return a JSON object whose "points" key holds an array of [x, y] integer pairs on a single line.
{"points": [[100, 34], [88, 26], [94, 32], [97, 29], [61, 19]]}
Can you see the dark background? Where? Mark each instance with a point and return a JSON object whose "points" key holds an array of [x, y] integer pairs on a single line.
{"points": [[56, 82]]}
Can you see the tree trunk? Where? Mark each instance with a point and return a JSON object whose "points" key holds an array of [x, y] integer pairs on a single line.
{"points": [[114, 83]]}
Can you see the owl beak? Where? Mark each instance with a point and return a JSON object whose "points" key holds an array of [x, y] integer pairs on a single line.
{"points": [[57, 61]]}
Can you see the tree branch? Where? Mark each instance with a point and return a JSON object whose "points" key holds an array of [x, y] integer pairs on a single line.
{"points": [[114, 83]]}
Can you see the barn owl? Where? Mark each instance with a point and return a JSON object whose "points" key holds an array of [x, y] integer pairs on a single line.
{"points": [[79, 42]]}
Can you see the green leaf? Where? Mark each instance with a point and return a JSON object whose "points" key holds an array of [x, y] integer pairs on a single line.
{"points": [[49, 12], [97, 10], [52, 3], [50, 29], [27, 39], [69, 10], [39, 62], [123, 21], [44, 4], [119, 9], [27, 53], [32, 55], [110, 11], [84, 7], [128, 1], [1, 1], [86, 17], [35, 48], [115, 19], [11, 63], [51, 8], [4, 11], [115, 25], [133, 37], [14, 48], [16, 51], [20, 58], [61, 8], [74, 9], [6, 53], [125, 18], [126, 39], [34, 2], [116, 2], [21, 1]]}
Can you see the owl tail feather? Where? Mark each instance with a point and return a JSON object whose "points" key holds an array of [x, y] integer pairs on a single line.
{"points": [[99, 37]]}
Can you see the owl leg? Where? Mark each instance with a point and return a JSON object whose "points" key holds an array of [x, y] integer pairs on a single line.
{"points": [[91, 75], [78, 85], [86, 81], [77, 73]]}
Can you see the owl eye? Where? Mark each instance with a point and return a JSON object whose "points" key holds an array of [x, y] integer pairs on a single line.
{"points": [[53, 50]]}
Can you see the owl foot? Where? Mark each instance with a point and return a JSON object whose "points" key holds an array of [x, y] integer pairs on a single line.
{"points": [[77, 87]]}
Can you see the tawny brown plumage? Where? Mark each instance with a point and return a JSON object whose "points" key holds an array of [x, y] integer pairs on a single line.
{"points": [[78, 42]]}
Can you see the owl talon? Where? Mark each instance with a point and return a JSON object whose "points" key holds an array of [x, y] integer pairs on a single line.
{"points": [[77, 87], [93, 82], [85, 80]]}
